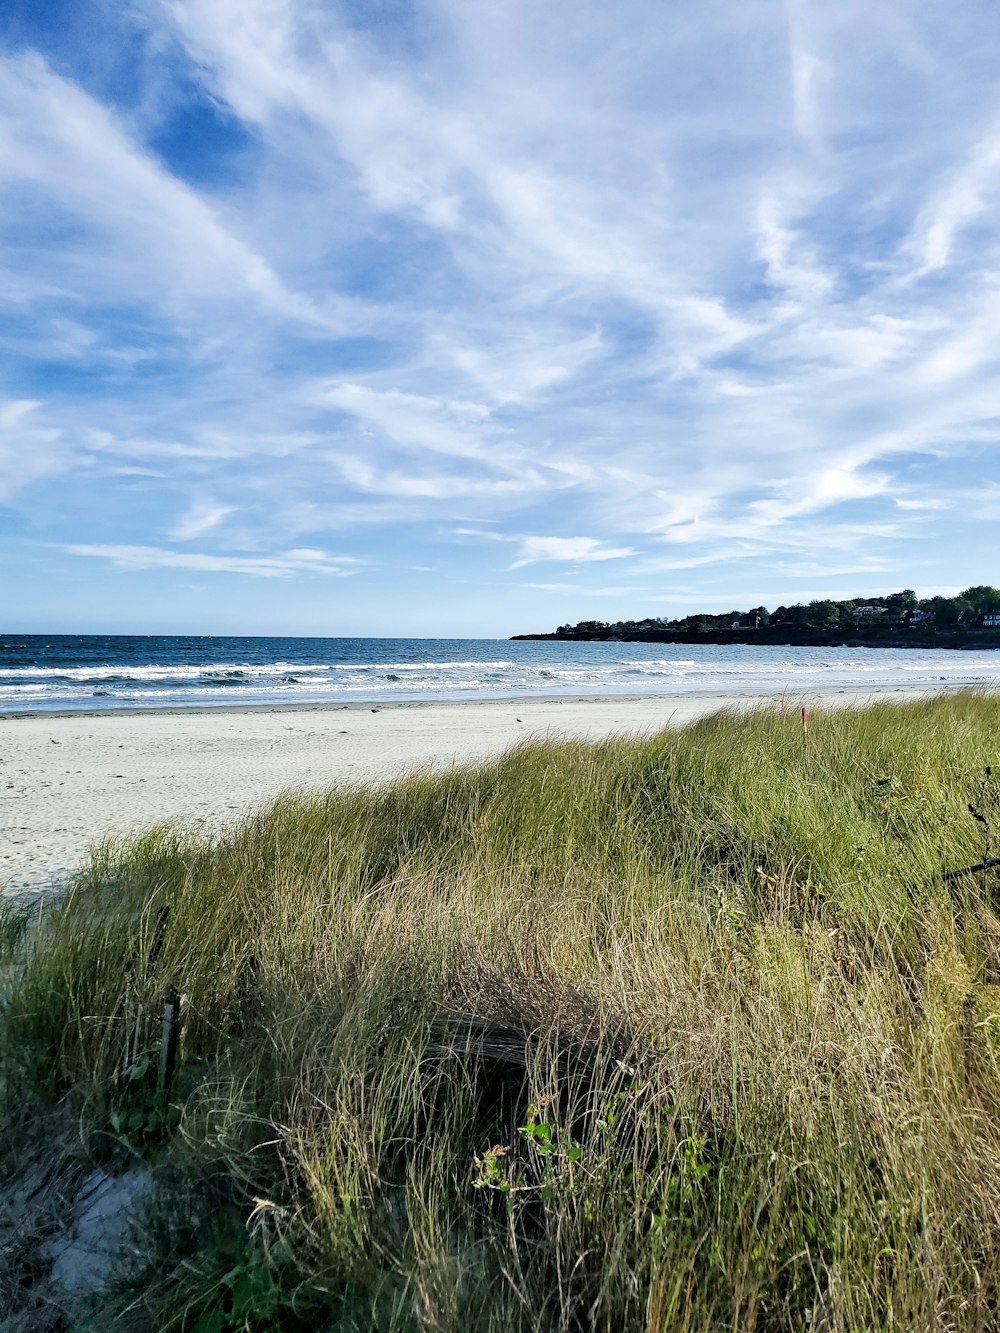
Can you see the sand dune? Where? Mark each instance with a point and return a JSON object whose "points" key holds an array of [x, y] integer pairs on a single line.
{"points": [[67, 780]]}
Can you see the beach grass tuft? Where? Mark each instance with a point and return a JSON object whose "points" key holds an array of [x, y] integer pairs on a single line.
{"points": [[687, 1032]]}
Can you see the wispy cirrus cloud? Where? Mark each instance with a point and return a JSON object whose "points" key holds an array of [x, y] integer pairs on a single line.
{"points": [[161, 239], [30, 448], [571, 550], [201, 517], [281, 564]]}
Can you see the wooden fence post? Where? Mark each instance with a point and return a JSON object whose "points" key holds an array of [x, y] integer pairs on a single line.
{"points": [[169, 1040]]}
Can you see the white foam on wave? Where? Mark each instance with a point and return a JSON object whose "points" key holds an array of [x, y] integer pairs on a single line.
{"points": [[124, 671], [418, 666], [535, 668], [658, 661]]}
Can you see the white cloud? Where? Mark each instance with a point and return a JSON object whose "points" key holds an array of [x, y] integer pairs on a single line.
{"points": [[282, 564], [520, 370], [808, 72], [30, 448], [413, 421], [792, 264], [572, 550], [56, 142], [431, 486], [201, 517], [957, 204]]}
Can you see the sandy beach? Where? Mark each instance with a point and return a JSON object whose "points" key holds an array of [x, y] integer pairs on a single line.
{"points": [[68, 780]]}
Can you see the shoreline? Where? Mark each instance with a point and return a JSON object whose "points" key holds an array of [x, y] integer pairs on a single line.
{"points": [[73, 778], [380, 704]]}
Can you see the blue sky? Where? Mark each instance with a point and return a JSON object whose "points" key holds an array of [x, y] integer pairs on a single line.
{"points": [[468, 318]]}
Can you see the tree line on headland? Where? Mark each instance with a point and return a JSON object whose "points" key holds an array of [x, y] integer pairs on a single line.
{"points": [[973, 616]]}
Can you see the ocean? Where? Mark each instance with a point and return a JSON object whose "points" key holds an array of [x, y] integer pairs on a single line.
{"points": [[49, 672]]}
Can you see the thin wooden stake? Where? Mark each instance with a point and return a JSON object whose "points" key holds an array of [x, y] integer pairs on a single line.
{"points": [[168, 1041], [159, 935]]}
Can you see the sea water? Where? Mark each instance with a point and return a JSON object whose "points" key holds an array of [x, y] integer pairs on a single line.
{"points": [[46, 672]]}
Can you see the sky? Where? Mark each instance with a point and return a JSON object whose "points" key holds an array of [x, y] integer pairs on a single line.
{"points": [[467, 318]]}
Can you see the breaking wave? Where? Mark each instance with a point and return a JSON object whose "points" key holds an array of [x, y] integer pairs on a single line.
{"points": [[101, 672]]}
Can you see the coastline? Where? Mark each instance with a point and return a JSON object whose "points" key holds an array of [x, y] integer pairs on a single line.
{"points": [[380, 704], [68, 779], [790, 636]]}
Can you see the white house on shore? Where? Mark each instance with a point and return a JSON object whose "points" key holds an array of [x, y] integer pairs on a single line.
{"points": [[991, 620]]}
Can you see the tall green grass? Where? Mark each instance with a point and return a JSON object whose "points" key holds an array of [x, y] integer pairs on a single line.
{"points": [[688, 1032]]}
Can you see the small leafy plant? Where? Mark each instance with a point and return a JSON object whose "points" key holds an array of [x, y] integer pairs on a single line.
{"points": [[551, 1152]]}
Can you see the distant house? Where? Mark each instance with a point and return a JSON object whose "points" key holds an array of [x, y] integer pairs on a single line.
{"points": [[919, 616], [992, 620], [866, 612], [735, 625]]}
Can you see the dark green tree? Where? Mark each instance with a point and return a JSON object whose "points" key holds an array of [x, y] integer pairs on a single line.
{"points": [[982, 598], [898, 604], [824, 613]]}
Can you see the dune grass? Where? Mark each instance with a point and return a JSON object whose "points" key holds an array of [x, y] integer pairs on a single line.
{"points": [[688, 1032]]}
